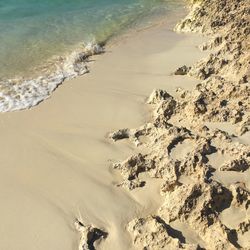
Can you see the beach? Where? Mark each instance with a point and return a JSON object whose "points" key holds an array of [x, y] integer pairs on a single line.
{"points": [[56, 156], [89, 165]]}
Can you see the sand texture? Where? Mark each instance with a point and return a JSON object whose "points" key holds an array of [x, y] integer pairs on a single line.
{"points": [[204, 169], [58, 187], [104, 164]]}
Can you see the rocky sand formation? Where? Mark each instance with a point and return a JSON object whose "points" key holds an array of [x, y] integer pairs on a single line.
{"points": [[89, 235], [178, 147]]}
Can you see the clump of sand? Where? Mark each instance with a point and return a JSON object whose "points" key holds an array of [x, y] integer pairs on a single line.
{"points": [[89, 235], [176, 145]]}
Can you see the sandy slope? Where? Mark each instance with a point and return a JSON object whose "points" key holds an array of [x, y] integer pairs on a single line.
{"points": [[55, 158]]}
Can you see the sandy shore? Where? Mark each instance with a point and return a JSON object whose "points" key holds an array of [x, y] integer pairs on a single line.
{"points": [[56, 157], [174, 181]]}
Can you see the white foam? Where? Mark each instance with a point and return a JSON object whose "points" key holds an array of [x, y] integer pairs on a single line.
{"points": [[24, 94]]}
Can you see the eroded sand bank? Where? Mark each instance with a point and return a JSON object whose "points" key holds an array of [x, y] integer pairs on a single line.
{"points": [[197, 142]]}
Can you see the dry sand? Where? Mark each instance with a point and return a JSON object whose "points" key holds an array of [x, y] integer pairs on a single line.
{"points": [[55, 158], [197, 142], [175, 176]]}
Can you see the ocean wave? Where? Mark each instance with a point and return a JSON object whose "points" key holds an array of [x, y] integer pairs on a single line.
{"points": [[19, 94]]}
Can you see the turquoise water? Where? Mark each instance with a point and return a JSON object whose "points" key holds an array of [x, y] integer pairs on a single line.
{"points": [[32, 31]]}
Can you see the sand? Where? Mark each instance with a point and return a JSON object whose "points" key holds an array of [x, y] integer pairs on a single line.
{"points": [[56, 158], [197, 142], [107, 162]]}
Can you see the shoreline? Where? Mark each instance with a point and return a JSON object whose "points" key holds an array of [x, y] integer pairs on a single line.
{"points": [[51, 159], [25, 92], [176, 180]]}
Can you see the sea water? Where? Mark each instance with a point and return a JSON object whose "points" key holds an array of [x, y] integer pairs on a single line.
{"points": [[35, 33]]}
